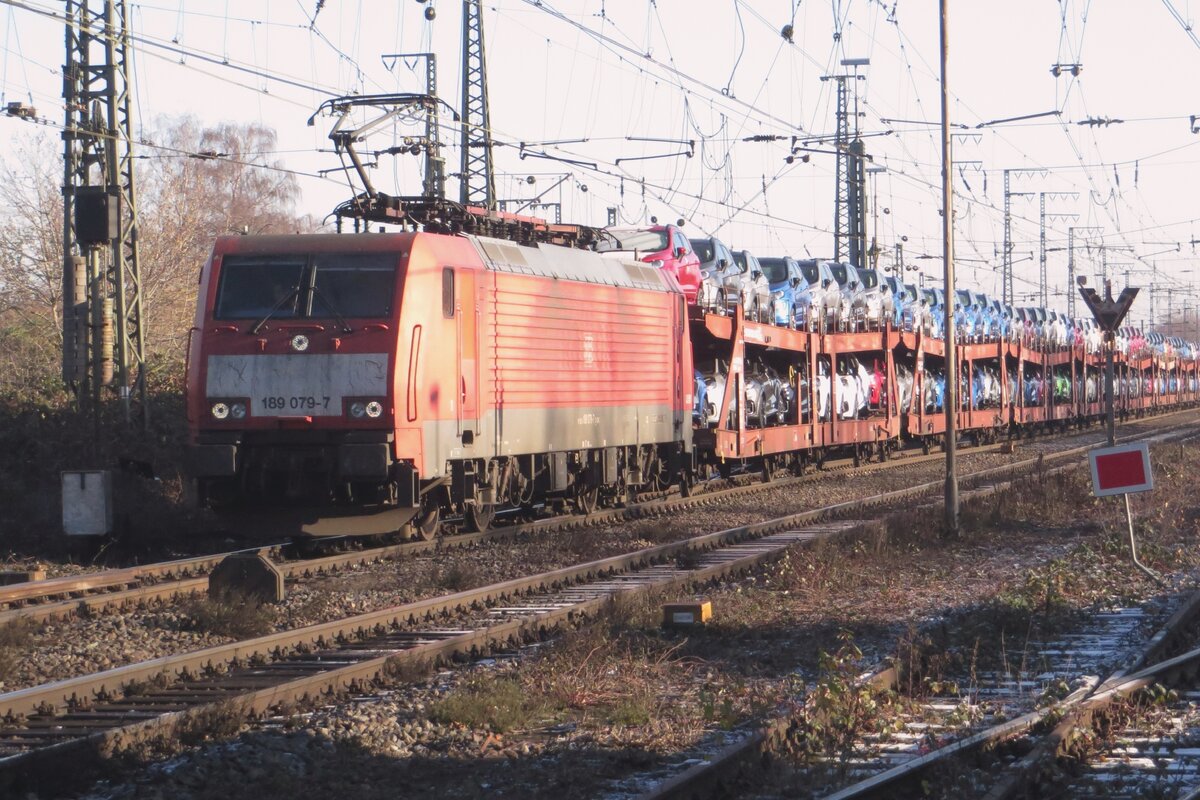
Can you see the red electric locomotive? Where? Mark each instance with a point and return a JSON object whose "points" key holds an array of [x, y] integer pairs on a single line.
{"points": [[376, 383]]}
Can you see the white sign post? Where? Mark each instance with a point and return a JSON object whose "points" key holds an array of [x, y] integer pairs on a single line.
{"points": [[1123, 470]]}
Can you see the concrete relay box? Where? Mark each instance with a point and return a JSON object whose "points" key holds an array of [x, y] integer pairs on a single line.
{"points": [[87, 502]]}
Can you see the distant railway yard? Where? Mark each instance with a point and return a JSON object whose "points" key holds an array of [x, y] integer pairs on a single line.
{"points": [[852, 651]]}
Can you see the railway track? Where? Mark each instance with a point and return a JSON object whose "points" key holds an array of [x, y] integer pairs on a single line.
{"points": [[892, 764], [61, 598], [1001, 708], [112, 709]]}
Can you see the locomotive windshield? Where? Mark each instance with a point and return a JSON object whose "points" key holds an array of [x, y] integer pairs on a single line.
{"points": [[631, 239], [339, 285]]}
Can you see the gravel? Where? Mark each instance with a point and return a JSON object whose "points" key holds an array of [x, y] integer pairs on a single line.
{"points": [[389, 745]]}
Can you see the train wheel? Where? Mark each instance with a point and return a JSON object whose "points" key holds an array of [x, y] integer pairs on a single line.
{"points": [[479, 516], [687, 482], [924, 446], [426, 525], [724, 469], [586, 499], [768, 470]]}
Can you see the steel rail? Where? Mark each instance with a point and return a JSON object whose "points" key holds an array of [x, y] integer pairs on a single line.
{"points": [[116, 707], [112, 708], [1084, 700], [38, 601], [707, 778]]}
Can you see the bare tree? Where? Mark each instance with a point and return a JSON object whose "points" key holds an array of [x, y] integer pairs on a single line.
{"points": [[195, 183], [201, 184], [31, 265]]}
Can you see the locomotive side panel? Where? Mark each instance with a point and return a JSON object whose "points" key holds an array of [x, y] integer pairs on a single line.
{"points": [[575, 358], [563, 385], [439, 413]]}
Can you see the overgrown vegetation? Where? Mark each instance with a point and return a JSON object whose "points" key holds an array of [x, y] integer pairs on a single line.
{"points": [[622, 674], [15, 639], [228, 614], [489, 702], [838, 710]]}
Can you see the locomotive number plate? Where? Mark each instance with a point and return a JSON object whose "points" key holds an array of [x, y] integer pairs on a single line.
{"points": [[294, 403], [311, 383]]}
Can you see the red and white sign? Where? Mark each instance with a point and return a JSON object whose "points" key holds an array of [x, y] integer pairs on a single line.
{"points": [[1121, 470]]}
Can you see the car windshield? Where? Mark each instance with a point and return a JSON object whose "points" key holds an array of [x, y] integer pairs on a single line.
{"points": [[811, 273], [703, 248], [292, 286], [870, 278], [776, 269], [839, 273], [632, 239], [739, 258]]}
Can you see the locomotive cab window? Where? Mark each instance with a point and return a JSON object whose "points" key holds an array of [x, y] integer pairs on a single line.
{"points": [[254, 287], [358, 285], [447, 292], [345, 285]]}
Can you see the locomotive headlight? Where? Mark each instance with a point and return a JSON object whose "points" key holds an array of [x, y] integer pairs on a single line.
{"points": [[358, 410], [221, 411], [374, 409], [237, 410], [299, 342]]}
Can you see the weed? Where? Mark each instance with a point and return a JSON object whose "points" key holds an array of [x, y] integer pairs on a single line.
{"points": [[408, 670], [15, 638], [228, 614], [496, 703], [457, 577], [722, 712], [633, 709], [839, 709], [212, 722]]}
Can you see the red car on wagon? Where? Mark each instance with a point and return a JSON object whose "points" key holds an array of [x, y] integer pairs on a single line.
{"points": [[664, 243]]}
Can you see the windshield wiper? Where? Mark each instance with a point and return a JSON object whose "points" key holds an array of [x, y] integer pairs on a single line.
{"points": [[329, 305], [295, 290]]}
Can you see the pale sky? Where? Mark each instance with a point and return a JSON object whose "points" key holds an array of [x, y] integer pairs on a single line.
{"points": [[718, 72]]}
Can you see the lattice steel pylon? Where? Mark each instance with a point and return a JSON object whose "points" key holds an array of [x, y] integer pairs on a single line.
{"points": [[103, 330], [478, 184], [849, 219], [841, 207]]}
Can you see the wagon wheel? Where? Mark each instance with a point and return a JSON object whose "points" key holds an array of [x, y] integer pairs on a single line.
{"points": [[479, 516], [585, 499], [724, 469], [687, 482], [768, 470], [426, 525]]}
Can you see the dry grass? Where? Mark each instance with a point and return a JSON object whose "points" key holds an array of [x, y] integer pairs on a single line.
{"points": [[15, 639], [489, 702], [456, 577], [229, 614]]}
